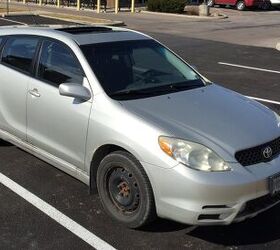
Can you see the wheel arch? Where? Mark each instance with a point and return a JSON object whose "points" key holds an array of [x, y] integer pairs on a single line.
{"points": [[97, 157]]}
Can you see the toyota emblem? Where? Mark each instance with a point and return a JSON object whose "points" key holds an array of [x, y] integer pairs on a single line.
{"points": [[267, 152]]}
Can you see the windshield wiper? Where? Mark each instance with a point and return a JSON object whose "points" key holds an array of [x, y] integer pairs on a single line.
{"points": [[167, 88], [171, 87], [185, 86], [129, 93]]}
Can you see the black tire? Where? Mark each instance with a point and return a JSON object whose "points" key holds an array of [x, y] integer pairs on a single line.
{"points": [[211, 3], [125, 190], [241, 5]]}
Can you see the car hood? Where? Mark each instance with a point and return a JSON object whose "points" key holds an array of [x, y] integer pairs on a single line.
{"points": [[217, 117]]}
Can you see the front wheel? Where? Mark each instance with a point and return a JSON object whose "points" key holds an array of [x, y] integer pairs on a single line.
{"points": [[125, 190], [240, 5]]}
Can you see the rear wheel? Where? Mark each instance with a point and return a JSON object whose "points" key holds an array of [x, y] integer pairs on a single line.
{"points": [[125, 190], [240, 5]]}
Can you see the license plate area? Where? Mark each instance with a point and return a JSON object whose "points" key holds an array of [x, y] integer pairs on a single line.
{"points": [[274, 184]]}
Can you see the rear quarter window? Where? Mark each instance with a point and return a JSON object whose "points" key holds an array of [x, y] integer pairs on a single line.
{"points": [[19, 52]]}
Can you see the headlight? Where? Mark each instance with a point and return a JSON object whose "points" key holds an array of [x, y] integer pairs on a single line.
{"points": [[277, 119], [193, 155]]}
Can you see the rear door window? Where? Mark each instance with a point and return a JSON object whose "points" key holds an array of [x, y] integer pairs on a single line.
{"points": [[58, 64], [19, 52]]}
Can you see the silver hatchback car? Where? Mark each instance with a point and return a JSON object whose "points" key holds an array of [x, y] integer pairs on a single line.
{"points": [[125, 115]]}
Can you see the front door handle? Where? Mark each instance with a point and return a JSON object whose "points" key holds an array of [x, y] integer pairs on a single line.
{"points": [[34, 92]]}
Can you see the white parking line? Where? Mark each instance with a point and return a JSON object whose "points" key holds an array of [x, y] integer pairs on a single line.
{"points": [[56, 215], [248, 67], [264, 100]]}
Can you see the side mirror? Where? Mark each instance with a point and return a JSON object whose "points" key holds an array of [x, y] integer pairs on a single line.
{"points": [[74, 90]]}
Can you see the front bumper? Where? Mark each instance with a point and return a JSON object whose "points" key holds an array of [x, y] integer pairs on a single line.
{"points": [[202, 198]]}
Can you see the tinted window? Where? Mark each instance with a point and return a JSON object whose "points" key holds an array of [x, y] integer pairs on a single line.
{"points": [[19, 52], [148, 58], [58, 64], [130, 66]]}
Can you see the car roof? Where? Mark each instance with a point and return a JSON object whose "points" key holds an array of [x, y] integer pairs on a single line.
{"points": [[81, 34]]}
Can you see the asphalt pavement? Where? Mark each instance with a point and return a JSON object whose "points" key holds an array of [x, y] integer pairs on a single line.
{"points": [[23, 226], [205, 55], [31, 20]]}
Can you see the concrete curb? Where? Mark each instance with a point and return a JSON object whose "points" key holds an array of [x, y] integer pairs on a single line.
{"points": [[278, 46], [223, 16], [19, 13], [109, 23], [48, 15]]}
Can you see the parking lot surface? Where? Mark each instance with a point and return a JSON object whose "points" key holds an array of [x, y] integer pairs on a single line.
{"points": [[23, 226], [31, 20]]}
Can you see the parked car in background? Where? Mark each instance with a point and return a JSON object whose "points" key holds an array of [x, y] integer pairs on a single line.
{"points": [[242, 4], [275, 3]]}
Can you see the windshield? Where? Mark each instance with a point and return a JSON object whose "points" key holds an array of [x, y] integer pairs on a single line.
{"points": [[139, 69]]}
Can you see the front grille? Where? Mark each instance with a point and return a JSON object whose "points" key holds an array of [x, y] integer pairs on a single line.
{"points": [[256, 155], [258, 204]]}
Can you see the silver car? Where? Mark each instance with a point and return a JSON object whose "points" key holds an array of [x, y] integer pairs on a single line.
{"points": [[125, 115]]}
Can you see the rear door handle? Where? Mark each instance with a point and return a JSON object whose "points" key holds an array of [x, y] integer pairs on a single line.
{"points": [[34, 92]]}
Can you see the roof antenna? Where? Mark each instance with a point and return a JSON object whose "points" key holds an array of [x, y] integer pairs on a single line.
{"points": [[32, 14]]}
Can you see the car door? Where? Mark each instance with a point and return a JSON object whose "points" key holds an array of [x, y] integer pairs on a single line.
{"points": [[58, 124], [15, 73]]}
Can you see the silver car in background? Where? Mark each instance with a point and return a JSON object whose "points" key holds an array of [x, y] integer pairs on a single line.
{"points": [[122, 113]]}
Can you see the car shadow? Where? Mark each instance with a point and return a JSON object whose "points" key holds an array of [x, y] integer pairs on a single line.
{"points": [[262, 229], [5, 144], [164, 226]]}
